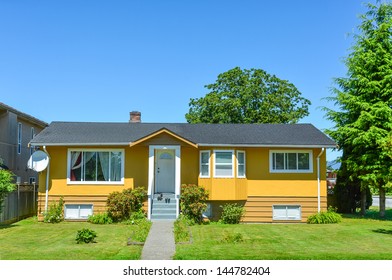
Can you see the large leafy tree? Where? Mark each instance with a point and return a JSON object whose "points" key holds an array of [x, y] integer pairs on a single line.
{"points": [[248, 96], [6, 183], [363, 121]]}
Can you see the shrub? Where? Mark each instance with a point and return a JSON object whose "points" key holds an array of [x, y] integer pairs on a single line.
{"points": [[328, 217], [55, 213], [232, 213], [193, 202], [122, 205], [6, 185], [85, 235], [232, 237], [101, 218]]}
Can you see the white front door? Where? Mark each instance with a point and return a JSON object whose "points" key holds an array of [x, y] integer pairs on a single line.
{"points": [[165, 171]]}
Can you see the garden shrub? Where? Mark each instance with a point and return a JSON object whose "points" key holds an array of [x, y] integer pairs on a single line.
{"points": [[100, 218], [232, 237], [85, 235], [232, 213], [328, 217], [122, 204], [55, 213], [193, 202], [6, 184]]}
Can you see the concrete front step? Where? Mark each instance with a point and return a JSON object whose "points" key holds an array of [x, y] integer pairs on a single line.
{"points": [[163, 207]]}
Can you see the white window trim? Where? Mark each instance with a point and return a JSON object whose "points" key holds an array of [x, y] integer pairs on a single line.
{"points": [[69, 182], [79, 218], [209, 164], [287, 219], [19, 146], [271, 162], [232, 163], [243, 152]]}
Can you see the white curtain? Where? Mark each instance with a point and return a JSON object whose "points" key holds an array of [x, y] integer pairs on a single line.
{"points": [[104, 161], [115, 172], [74, 160]]}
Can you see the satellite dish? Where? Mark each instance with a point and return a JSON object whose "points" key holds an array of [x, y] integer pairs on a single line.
{"points": [[38, 161]]}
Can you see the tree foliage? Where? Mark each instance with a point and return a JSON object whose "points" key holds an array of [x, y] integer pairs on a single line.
{"points": [[363, 121], [248, 96], [6, 185]]}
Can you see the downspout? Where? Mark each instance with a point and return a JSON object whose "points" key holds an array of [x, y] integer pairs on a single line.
{"points": [[318, 181], [47, 182]]}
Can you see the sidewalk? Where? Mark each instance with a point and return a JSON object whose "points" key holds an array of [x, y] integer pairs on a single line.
{"points": [[160, 243]]}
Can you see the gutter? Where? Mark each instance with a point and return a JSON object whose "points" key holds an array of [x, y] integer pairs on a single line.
{"points": [[318, 180], [47, 181]]}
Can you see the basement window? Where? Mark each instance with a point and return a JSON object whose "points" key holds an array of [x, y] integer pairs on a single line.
{"points": [[286, 212], [78, 211]]}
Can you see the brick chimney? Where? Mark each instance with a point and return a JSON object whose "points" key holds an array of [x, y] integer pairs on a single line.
{"points": [[135, 117]]}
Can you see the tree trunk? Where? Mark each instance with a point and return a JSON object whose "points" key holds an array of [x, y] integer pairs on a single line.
{"points": [[382, 202], [363, 201]]}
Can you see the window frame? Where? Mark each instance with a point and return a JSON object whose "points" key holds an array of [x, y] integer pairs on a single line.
{"points": [[70, 182], [238, 164], [205, 164], [232, 164], [32, 148], [286, 217], [285, 170], [19, 139]]}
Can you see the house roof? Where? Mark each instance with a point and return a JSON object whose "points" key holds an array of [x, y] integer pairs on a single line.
{"points": [[103, 134], [23, 115]]}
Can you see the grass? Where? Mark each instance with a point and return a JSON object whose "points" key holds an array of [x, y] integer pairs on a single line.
{"points": [[32, 240], [354, 238]]}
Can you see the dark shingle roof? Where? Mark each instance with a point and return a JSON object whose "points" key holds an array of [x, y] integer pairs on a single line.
{"points": [[83, 133]]}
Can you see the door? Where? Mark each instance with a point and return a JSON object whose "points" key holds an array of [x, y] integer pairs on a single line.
{"points": [[165, 171]]}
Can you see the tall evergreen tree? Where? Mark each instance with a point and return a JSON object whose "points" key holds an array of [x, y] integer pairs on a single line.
{"points": [[363, 122]]}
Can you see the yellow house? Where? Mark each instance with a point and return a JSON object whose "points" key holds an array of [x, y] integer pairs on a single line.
{"points": [[277, 171]]}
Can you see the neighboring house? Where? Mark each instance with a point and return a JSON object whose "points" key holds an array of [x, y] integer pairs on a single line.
{"points": [[16, 131], [276, 170]]}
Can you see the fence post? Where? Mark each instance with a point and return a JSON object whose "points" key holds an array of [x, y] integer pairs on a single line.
{"points": [[18, 204]]}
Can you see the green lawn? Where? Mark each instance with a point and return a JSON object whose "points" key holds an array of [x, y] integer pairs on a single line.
{"points": [[32, 240], [354, 238]]}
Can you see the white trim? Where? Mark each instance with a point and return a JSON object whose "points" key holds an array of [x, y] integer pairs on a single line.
{"points": [[310, 170], [266, 145], [237, 152], [209, 164], [69, 182], [232, 163], [151, 174]]}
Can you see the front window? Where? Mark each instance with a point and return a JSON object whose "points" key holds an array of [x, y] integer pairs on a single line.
{"points": [[96, 166], [240, 164], [290, 161], [224, 164]]}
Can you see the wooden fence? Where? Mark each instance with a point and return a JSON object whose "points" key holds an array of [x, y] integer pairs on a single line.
{"points": [[19, 204]]}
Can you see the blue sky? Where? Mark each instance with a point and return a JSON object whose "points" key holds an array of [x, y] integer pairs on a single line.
{"points": [[98, 60]]}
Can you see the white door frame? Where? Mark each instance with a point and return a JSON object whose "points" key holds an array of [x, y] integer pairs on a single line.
{"points": [[151, 173]]}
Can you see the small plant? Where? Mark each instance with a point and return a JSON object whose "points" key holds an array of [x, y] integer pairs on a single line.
{"points": [[193, 202], [232, 237], [55, 213], [232, 213], [85, 235], [328, 217], [137, 217], [181, 229], [101, 218]]}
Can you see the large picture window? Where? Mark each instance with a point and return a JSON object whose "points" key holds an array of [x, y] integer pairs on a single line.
{"points": [[291, 161], [95, 166], [224, 164]]}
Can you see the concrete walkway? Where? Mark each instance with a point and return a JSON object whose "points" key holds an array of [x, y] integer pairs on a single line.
{"points": [[160, 243]]}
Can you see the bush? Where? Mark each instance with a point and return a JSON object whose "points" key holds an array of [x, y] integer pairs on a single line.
{"points": [[232, 237], [101, 218], [55, 213], [122, 205], [6, 185], [85, 235], [232, 213], [329, 217], [193, 202]]}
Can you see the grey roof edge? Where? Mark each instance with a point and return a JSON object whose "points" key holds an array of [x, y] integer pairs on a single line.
{"points": [[24, 115], [32, 143], [268, 145]]}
